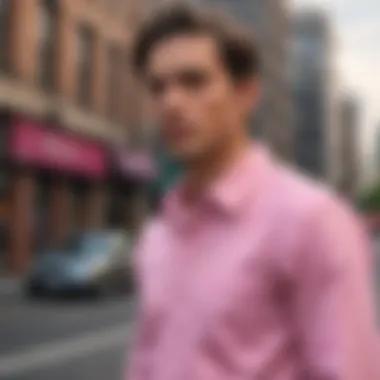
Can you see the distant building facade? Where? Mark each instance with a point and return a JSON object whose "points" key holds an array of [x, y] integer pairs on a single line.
{"points": [[349, 147], [312, 82], [66, 100]]}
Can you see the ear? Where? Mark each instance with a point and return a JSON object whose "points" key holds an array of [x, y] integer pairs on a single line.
{"points": [[249, 92]]}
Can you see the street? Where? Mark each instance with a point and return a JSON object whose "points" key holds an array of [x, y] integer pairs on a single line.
{"points": [[72, 339], [63, 340]]}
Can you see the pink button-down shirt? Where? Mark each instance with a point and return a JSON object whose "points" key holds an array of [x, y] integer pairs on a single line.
{"points": [[266, 278]]}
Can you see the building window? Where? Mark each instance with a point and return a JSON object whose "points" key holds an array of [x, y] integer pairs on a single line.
{"points": [[46, 42], [5, 15], [85, 65], [114, 82]]}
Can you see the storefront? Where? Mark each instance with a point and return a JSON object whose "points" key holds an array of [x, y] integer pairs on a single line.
{"points": [[58, 185], [132, 175]]}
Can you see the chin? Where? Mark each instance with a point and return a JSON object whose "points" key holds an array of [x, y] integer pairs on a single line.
{"points": [[187, 155]]}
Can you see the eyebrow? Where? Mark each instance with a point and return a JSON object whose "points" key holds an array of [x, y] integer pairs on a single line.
{"points": [[183, 70]]}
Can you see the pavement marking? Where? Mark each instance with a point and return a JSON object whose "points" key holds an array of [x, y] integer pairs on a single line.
{"points": [[46, 355]]}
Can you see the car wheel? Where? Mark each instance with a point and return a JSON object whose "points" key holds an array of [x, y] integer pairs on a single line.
{"points": [[128, 286], [32, 292], [104, 290]]}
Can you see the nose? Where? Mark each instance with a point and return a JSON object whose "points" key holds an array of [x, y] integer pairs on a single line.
{"points": [[173, 99]]}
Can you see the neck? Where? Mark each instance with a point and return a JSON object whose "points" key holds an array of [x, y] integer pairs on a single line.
{"points": [[204, 171]]}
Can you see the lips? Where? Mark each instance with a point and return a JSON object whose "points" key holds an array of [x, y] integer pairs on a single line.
{"points": [[176, 132]]}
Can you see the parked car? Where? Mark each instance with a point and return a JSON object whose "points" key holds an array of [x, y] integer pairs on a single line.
{"points": [[92, 263]]}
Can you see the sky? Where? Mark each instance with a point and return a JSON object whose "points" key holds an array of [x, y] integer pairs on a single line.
{"points": [[356, 26]]}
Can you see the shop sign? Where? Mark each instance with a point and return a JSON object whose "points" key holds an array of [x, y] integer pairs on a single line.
{"points": [[135, 164], [31, 144]]}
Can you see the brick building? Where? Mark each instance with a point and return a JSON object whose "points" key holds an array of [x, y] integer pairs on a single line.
{"points": [[67, 100]]}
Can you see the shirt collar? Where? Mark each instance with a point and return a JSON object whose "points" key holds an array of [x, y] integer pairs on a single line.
{"points": [[232, 190]]}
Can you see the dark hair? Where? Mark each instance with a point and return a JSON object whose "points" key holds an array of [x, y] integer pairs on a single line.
{"points": [[236, 45]]}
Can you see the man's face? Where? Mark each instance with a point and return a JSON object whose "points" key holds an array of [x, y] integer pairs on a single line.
{"points": [[198, 105]]}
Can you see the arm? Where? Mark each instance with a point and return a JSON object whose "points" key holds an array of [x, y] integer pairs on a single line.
{"points": [[333, 306]]}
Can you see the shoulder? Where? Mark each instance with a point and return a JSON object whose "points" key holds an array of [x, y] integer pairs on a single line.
{"points": [[309, 212], [152, 230], [307, 199], [149, 239], [324, 228]]}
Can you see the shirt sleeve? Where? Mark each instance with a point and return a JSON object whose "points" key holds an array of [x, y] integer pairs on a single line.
{"points": [[334, 305]]}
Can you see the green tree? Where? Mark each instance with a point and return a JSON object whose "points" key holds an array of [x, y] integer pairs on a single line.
{"points": [[370, 199]]}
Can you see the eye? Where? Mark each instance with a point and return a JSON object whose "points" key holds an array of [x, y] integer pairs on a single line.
{"points": [[193, 79], [156, 86]]}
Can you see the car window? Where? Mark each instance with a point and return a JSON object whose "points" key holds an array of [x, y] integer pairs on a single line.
{"points": [[95, 244], [119, 243], [72, 244], [87, 244]]}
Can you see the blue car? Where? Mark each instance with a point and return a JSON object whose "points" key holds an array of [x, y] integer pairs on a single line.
{"points": [[92, 263]]}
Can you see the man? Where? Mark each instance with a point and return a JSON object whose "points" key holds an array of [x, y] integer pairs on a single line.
{"points": [[249, 271]]}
